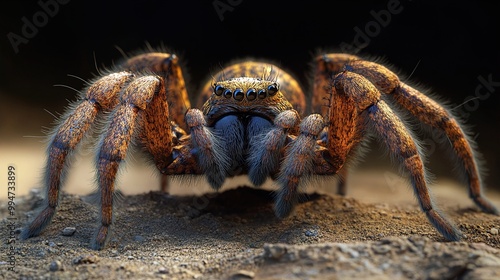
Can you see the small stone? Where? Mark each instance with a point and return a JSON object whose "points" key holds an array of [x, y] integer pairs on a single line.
{"points": [[494, 231], [138, 238], [69, 231], [52, 244], [311, 232], [55, 266], [163, 270], [243, 274], [85, 259]]}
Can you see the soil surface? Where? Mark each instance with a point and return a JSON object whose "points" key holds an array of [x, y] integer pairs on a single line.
{"points": [[235, 235]]}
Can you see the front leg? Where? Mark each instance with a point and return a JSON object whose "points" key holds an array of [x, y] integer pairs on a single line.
{"points": [[167, 66], [298, 164], [266, 153], [130, 114], [207, 148]]}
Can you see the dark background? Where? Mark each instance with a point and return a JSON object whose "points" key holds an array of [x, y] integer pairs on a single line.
{"points": [[452, 42]]}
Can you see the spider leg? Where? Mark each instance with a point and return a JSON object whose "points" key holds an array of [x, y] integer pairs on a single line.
{"points": [[433, 114], [356, 105], [298, 164], [166, 65], [100, 96], [143, 114], [264, 158], [342, 188], [210, 154], [399, 141], [326, 66]]}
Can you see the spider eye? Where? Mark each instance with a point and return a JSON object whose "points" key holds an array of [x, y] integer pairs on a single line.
{"points": [[219, 90], [227, 93], [272, 89], [251, 94], [262, 94], [238, 94]]}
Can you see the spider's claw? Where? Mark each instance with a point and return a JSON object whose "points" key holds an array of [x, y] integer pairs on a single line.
{"points": [[101, 237], [38, 224], [216, 179], [285, 202], [448, 230], [486, 205], [257, 177]]}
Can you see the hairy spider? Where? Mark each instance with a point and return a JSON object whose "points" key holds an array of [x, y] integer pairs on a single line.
{"points": [[251, 122]]}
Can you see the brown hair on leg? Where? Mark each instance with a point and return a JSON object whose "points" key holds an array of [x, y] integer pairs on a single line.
{"points": [[435, 115], [113, 147], [100, 96], [400, 143]]}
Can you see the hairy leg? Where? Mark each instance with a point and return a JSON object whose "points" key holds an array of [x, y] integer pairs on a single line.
{"points": [[433, 114], [360, 98], [395, 135], [265, 155], [342, 186], [206, 145], [326, 66], [297, 164], [126, 120], [167, 66], [100, 96]]}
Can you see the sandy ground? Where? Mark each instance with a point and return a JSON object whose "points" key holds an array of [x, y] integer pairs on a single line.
{"points": [[375, 232]]}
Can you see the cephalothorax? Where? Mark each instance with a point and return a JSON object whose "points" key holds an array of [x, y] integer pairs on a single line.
{"points": [[253, 121]]}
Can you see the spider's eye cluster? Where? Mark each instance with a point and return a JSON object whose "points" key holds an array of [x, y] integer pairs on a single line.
{"points": [[251, 94]]}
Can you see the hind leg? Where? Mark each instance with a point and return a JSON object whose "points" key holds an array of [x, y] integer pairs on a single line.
{"points": [[101, 96]]}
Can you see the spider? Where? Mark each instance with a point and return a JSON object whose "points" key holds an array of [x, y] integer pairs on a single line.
{"points": [[252, 121]]}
